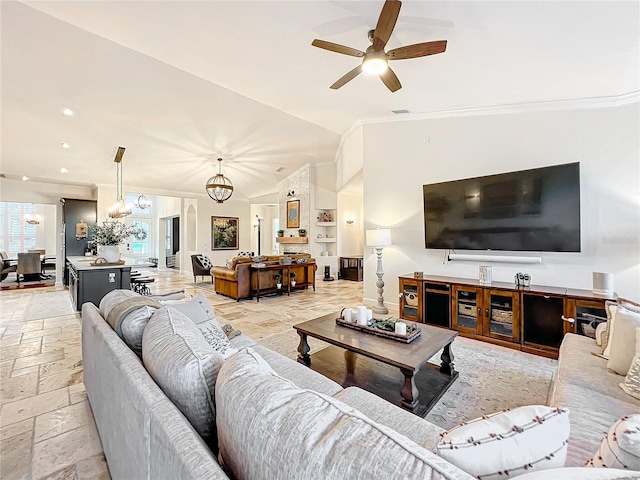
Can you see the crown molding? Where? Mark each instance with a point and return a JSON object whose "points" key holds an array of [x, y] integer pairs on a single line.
{"points": [[531, 107]]}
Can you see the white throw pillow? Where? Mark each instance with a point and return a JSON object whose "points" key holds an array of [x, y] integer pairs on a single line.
{"points": [[623, 342], [185, 367], [198, 309], [200, 312], [610, 308], [620, 447], [601, 330], [509, 443], [578, 473], [631, 384]]}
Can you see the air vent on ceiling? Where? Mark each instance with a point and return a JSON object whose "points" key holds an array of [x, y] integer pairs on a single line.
{"points": [[399, 112], [2, 175], [279, 169]]}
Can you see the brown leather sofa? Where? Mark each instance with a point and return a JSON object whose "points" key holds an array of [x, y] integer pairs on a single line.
{"points": [[238, 280]]}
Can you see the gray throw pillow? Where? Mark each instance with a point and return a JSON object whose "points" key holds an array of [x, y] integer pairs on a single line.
{"points": [[185, 366]]}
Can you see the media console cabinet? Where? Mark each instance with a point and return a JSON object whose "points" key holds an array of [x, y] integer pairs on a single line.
{"points": [[532, 319]]}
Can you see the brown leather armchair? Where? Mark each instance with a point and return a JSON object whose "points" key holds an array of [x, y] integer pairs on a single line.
{"points": [[201, 266]]}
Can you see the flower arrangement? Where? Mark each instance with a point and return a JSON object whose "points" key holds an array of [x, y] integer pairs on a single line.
{"points": [[112, 232]]}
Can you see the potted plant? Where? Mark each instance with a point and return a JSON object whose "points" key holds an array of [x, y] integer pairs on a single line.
{"points": [[302, 232], [108, 236], [278, 281], [281, 233], [292, 275]]}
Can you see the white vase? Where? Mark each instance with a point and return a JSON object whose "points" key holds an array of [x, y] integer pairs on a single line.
{"points": [[279, 286], [111, 253], [293, 283]]}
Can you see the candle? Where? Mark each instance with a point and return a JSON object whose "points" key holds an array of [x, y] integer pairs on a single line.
{"points": [[362, 315], [401, 328], [347, 314], [369, 314]]}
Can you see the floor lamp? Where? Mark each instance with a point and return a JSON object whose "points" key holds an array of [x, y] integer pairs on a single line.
{"points": [[378, 239], [258, 224]]}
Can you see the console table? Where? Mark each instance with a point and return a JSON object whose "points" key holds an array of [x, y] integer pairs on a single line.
{"points": [[532, 319], [281, 269]]}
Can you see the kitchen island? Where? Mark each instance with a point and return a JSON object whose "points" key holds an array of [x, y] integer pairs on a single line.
{"points": [[89, 283]]}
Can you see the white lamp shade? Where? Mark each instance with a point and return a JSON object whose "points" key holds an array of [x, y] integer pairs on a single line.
{"points": [[378, 237]]}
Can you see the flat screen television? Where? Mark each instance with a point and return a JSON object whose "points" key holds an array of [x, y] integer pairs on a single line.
{"points": [[535, 210]]}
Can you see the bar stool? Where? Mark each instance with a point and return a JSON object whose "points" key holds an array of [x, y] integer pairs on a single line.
{"points": [[141, 285]]}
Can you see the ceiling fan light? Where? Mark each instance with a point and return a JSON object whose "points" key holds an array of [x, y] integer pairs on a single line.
{"points": [[375, 64]]}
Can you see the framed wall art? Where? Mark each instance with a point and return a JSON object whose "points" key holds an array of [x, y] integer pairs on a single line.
{"points": [[293, 214], [224, 233]]}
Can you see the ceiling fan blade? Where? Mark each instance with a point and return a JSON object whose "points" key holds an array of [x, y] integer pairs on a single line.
{"points": [[347, 77], [390, 80], [386, 22], [417, 50], [334, 47]]}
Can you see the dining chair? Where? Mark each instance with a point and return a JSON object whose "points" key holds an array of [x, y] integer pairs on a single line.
{"points": [[28, 266], [8, 266]]}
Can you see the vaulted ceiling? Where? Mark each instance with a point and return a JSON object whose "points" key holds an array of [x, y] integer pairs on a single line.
{"points": [[180, 83]]}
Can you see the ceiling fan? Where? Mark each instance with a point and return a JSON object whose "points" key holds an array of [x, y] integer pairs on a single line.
{"points": [[375, 59]]}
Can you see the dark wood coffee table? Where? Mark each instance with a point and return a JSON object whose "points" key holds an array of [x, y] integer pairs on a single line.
{"points": [[380, 365]]}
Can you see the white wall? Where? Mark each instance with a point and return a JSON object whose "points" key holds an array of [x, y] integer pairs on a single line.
{"points": [[350, 236], [605, 142], [206, 208], [350, 157]]}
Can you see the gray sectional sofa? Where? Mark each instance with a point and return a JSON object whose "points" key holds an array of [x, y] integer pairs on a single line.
{"points": [[145, 436], [592, 393]]}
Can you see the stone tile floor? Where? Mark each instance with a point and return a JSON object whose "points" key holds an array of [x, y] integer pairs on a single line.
{"points": [[47, 429]]}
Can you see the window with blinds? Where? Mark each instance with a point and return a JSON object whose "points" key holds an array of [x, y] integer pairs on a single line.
{"points": [[16, 235]]}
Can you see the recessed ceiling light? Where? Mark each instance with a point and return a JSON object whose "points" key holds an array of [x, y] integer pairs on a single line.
{"points": [[65, 145], [25, 178], [68, 112], [63, 170]]}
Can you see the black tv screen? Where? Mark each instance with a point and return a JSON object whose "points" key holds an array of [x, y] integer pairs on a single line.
{"points": [[534, 210]]}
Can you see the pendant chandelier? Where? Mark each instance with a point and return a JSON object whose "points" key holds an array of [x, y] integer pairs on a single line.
{"points": [[219, 187], [120, 208]]}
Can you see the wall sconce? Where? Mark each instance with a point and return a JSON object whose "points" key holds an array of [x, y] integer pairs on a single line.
{"points": [[32, 219], [350, 220]]}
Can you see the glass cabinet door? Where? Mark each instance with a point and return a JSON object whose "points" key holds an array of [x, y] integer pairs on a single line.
{"points": [[501, 315], [465, 309], [410, 300]]}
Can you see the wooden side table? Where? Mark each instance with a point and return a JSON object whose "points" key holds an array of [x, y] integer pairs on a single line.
{"points": [[351, 268]]}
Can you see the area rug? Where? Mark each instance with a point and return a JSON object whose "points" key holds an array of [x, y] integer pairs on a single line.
{"points": [[491, 378], [14, 285], [48, 305]]}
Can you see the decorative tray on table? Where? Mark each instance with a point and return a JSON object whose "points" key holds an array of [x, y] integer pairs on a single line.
{"points": [[101, 262], [384, 328]]}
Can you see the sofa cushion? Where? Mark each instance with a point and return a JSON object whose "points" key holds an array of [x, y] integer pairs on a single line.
{"points": [[318, 437], [623, 343], [417, 429], [631, 384], [134, 317], [185, 366], [620, 447], [577, 366], [592, 414], [302, 376], [509, 443]]}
